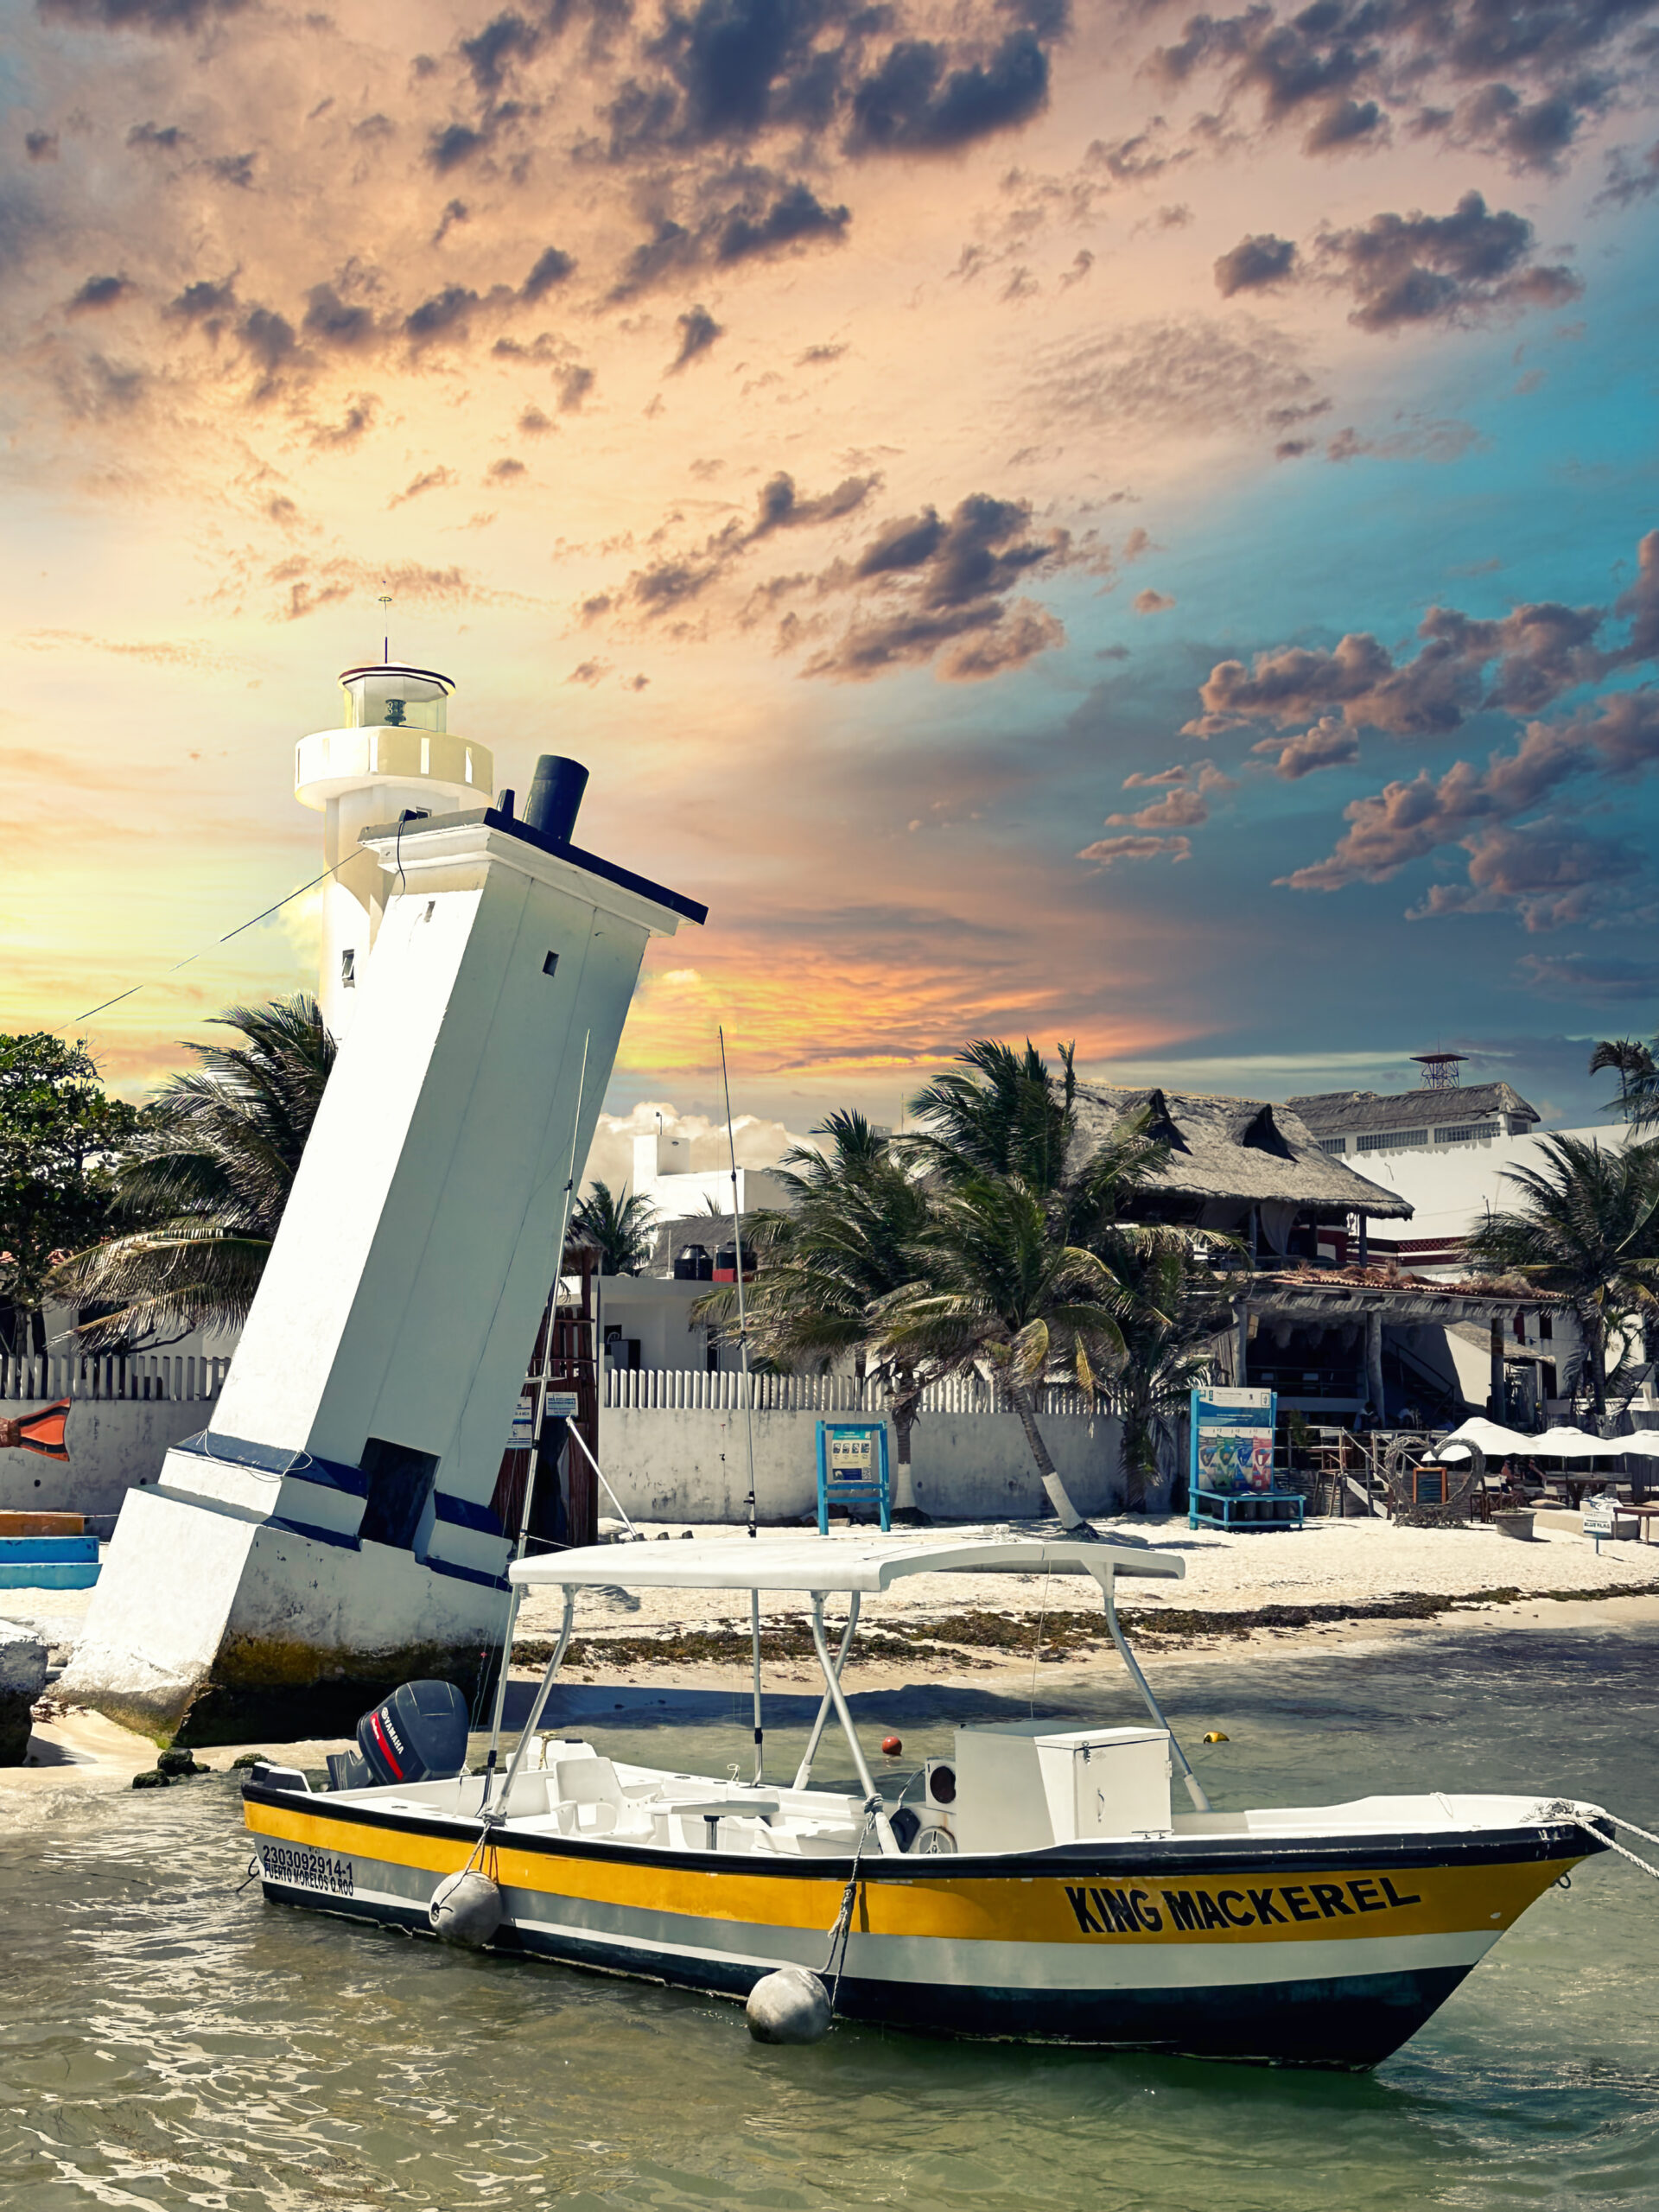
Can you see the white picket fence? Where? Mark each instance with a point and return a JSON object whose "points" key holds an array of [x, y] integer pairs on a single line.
{"points": [[176, 1377], [696, 1390]]}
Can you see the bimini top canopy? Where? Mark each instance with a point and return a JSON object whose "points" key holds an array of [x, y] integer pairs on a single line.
{"points": [[815, 1564]]}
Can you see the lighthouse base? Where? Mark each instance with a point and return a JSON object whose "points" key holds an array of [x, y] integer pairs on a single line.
{"points": [[209, 1627]]}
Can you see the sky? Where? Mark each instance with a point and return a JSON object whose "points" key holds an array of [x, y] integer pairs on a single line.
{"points": [[1088, 521]]}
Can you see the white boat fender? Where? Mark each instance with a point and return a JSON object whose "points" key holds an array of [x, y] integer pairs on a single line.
{"points": [[790, 2005], [465, 1908]]}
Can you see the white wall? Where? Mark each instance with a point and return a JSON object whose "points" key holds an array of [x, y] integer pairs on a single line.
{"points": [[669, 1463], [115, 1445]]}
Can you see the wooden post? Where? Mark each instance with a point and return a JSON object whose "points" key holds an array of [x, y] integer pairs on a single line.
{"points": [[1365, 1241], [1374, 1363], [1243, 1362], [1495, 1404]]}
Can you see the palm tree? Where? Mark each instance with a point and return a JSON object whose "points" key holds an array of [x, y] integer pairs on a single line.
{"points": [[826, 1269], [1169, 1309], [206, 1181], [996, 1284], [623, 1229], [1638, 1077], [1010, 1269], [1586, 1229]]}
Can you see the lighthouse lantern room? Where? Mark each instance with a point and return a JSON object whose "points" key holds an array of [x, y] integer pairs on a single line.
{"points": [[393, 758]]}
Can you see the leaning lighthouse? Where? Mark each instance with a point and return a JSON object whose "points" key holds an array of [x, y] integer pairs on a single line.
{"points": [[393, 758]]}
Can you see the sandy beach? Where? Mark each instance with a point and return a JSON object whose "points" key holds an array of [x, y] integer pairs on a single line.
{"points": [[1331, 1572], [1345, 1563]]}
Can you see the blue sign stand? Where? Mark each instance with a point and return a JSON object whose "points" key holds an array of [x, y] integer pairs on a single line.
{"points": [[1234, 1430], [853, 1468]]}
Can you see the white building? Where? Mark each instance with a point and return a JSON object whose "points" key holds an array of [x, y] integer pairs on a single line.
{"points": [[1448, 1151]]}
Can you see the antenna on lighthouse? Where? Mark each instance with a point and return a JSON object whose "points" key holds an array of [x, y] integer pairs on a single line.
{"points": [[386, 618]]}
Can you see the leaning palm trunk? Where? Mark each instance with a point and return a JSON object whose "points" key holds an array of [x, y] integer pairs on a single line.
{"points": [[1070, 1519], [906, 1403]]}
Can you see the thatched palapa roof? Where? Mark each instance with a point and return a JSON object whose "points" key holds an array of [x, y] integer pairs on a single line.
{"points": [[1238, 1149]]}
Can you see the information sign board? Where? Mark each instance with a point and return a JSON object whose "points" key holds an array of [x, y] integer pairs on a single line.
{"points": [[1232, 1443], [852, 1468]]}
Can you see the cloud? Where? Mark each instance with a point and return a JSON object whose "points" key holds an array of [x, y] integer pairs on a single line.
{"points": [[783, 508], [205, 301], [98, 293], [1182, 808], [158, 18], [698, 331], [445, 314], [1580, 976], [358, 419], [1456, 268], [553, 267], [1107, 851], [1194, 376], [1478, 809], [1341, 71], [532, 423], [431, 479], [1255, 263], [574, 385], [1627, 182], [767, 218], [795, 215], [1330, 744], [725, 71], [343, 326], [41, 145], [915, 103], [1152, 603], [927, 583], [1535, 653], [507, 470]]}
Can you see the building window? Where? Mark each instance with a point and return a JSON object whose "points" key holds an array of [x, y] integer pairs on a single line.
{"points": [[348, 970], [1546, 1328], [1392, 1140], [1333, 1144], [1469, 1133]]}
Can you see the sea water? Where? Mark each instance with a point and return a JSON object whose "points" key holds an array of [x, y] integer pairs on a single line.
{"points": [[167, 2040]]}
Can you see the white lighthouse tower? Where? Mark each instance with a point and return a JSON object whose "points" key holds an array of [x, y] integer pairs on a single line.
{"points": [[393, 758]]}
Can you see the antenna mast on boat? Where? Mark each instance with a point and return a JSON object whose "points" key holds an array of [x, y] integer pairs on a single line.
{"points": [[748, 1392]]}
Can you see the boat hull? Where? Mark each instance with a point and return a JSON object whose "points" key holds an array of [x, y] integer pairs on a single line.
{"points": [[1328, 1952]]}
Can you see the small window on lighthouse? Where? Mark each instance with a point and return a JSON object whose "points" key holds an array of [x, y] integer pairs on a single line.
{"points": [[348, 970]]}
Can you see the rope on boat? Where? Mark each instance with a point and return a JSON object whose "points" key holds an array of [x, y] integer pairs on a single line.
{"points": [[1565, 1812], [1590, 1829], [841, 1932]]}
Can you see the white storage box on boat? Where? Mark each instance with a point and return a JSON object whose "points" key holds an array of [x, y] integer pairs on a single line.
{"points": [[1027, 1784]]}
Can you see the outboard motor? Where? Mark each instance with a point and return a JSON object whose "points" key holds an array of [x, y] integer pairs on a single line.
{"points": [[417, 1734]]}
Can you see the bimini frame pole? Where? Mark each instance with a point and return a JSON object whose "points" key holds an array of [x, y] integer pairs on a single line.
{"points": [[748, 1403], [832, 1684], [803, 1772], [515, 1592], [539, 1705], [1194, 1787]]}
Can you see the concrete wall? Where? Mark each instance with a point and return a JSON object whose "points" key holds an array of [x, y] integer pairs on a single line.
{"points": [[115, 1445], [669, 1463]]}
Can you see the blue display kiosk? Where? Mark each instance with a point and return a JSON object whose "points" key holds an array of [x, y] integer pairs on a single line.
{"points": [[1229, 1480], [853, 1468]]}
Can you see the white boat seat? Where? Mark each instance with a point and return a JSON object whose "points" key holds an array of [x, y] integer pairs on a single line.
{"points": [[591, 1799]]}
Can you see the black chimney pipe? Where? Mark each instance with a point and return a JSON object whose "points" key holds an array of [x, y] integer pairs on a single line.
{"points": [[555, 797]]}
